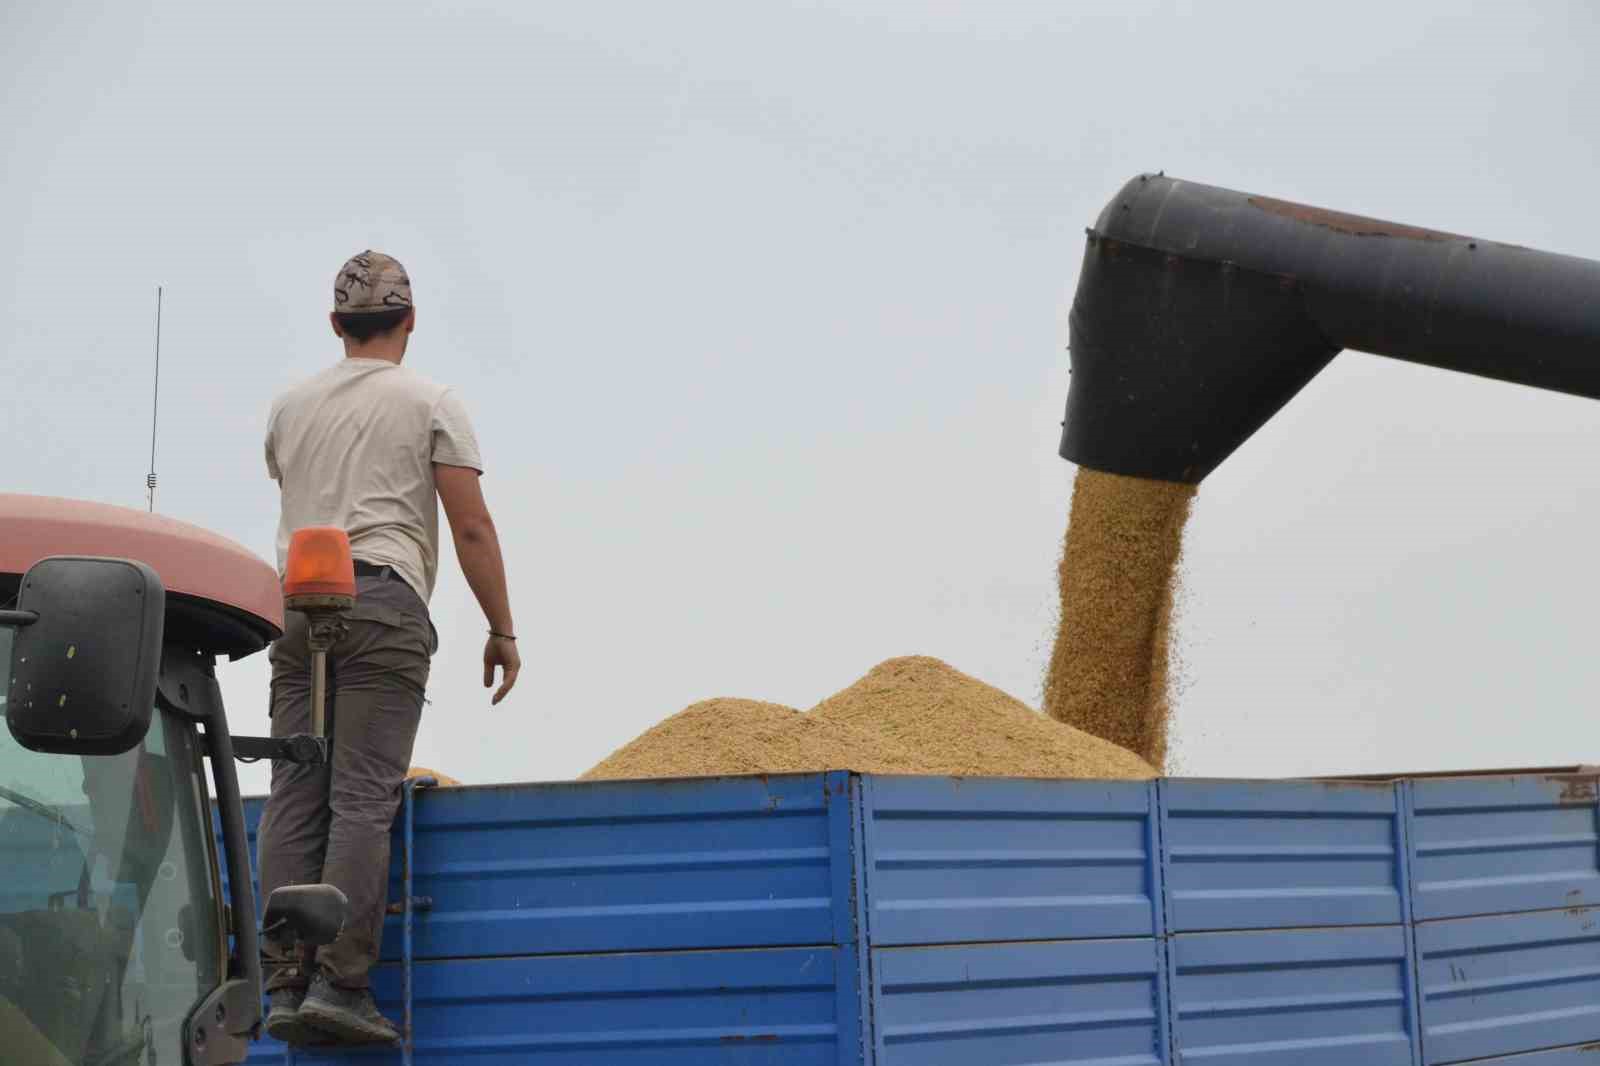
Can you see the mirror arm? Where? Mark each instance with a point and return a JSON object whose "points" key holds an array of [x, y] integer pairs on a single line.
{"points": [[187, 685], [18, 618], [301, 748]]}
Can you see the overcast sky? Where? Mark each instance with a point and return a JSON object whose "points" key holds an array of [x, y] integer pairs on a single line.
{"points": [[760, 311]]}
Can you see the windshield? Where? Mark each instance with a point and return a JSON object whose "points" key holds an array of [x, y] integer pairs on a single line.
{"points": [[109, 931]]}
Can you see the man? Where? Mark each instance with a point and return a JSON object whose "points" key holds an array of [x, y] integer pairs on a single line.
{"points": [[367, 446]]}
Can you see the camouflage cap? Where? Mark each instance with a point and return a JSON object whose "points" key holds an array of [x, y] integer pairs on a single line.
{"points": [[371, 282]]}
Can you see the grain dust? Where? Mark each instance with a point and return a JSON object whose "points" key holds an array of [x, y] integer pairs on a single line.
{"points": [[1109, 669]]}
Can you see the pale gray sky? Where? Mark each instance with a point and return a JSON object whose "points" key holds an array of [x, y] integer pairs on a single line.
{"points": [[760, 309]]}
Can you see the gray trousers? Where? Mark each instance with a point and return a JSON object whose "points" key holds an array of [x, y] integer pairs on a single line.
{"points": [[331, 823]]}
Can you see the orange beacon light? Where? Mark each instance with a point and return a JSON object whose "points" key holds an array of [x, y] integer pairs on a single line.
{"points": [[319, 580], [320, 573]]}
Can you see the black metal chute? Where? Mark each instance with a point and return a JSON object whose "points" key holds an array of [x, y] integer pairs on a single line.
{"points": [[1201, 311]]}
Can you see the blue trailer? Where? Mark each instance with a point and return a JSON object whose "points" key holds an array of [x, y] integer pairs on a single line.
{"points": [[857, 920]]}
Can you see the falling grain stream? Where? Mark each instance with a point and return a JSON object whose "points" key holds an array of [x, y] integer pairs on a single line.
{"points": [[1108, 672]]}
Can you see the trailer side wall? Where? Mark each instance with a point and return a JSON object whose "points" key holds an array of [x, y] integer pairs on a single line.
{"points": [[837, 920]]}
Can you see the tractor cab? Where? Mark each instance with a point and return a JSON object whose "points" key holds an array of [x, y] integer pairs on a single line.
{"points": [[117, 946]]}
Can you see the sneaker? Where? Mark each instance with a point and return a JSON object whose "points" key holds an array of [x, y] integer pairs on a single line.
{"points": [[284, 1022], [347, 1014]]}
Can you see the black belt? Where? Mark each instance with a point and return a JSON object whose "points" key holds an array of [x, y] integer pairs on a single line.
{"points": [[366, 569]]}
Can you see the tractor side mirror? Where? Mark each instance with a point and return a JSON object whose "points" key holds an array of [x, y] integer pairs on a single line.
{"points": [[85, 655], [312, 914]]}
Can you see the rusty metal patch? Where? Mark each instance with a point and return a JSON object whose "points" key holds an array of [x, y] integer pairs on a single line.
{"points": [[1577, 790], [1371, 783], [1354, 225]]}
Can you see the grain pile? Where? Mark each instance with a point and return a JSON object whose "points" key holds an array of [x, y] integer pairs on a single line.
{"points": [[958, 725], [1108, 670], [440, 780], [731, 736], [910, 716]]}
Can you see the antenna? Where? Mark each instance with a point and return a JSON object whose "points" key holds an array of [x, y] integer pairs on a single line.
{"points": [[155, 399]]}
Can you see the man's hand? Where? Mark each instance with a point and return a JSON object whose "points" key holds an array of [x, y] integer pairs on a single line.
{"points": [[502, 653]]}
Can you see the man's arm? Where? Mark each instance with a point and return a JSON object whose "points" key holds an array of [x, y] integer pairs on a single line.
{"points": [[478, 551]]}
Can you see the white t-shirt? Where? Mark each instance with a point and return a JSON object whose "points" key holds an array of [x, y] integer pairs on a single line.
{"points": [[354, 447]]}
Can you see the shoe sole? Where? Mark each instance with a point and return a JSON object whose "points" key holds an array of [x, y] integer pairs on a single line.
{"points": [[342, 1026], [292, 1029]]}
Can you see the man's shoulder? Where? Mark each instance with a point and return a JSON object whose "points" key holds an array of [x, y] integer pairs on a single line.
{"points": [[410, 381], [285, 400], [310, 385]]}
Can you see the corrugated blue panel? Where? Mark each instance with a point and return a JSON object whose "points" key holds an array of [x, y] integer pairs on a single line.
{"points": [[623, 866], [721, 1008], [1334, 997], [1042, 1004], [1509, 983], [1280, 854], [979, 860], [626, 866], [1491, 845]]}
